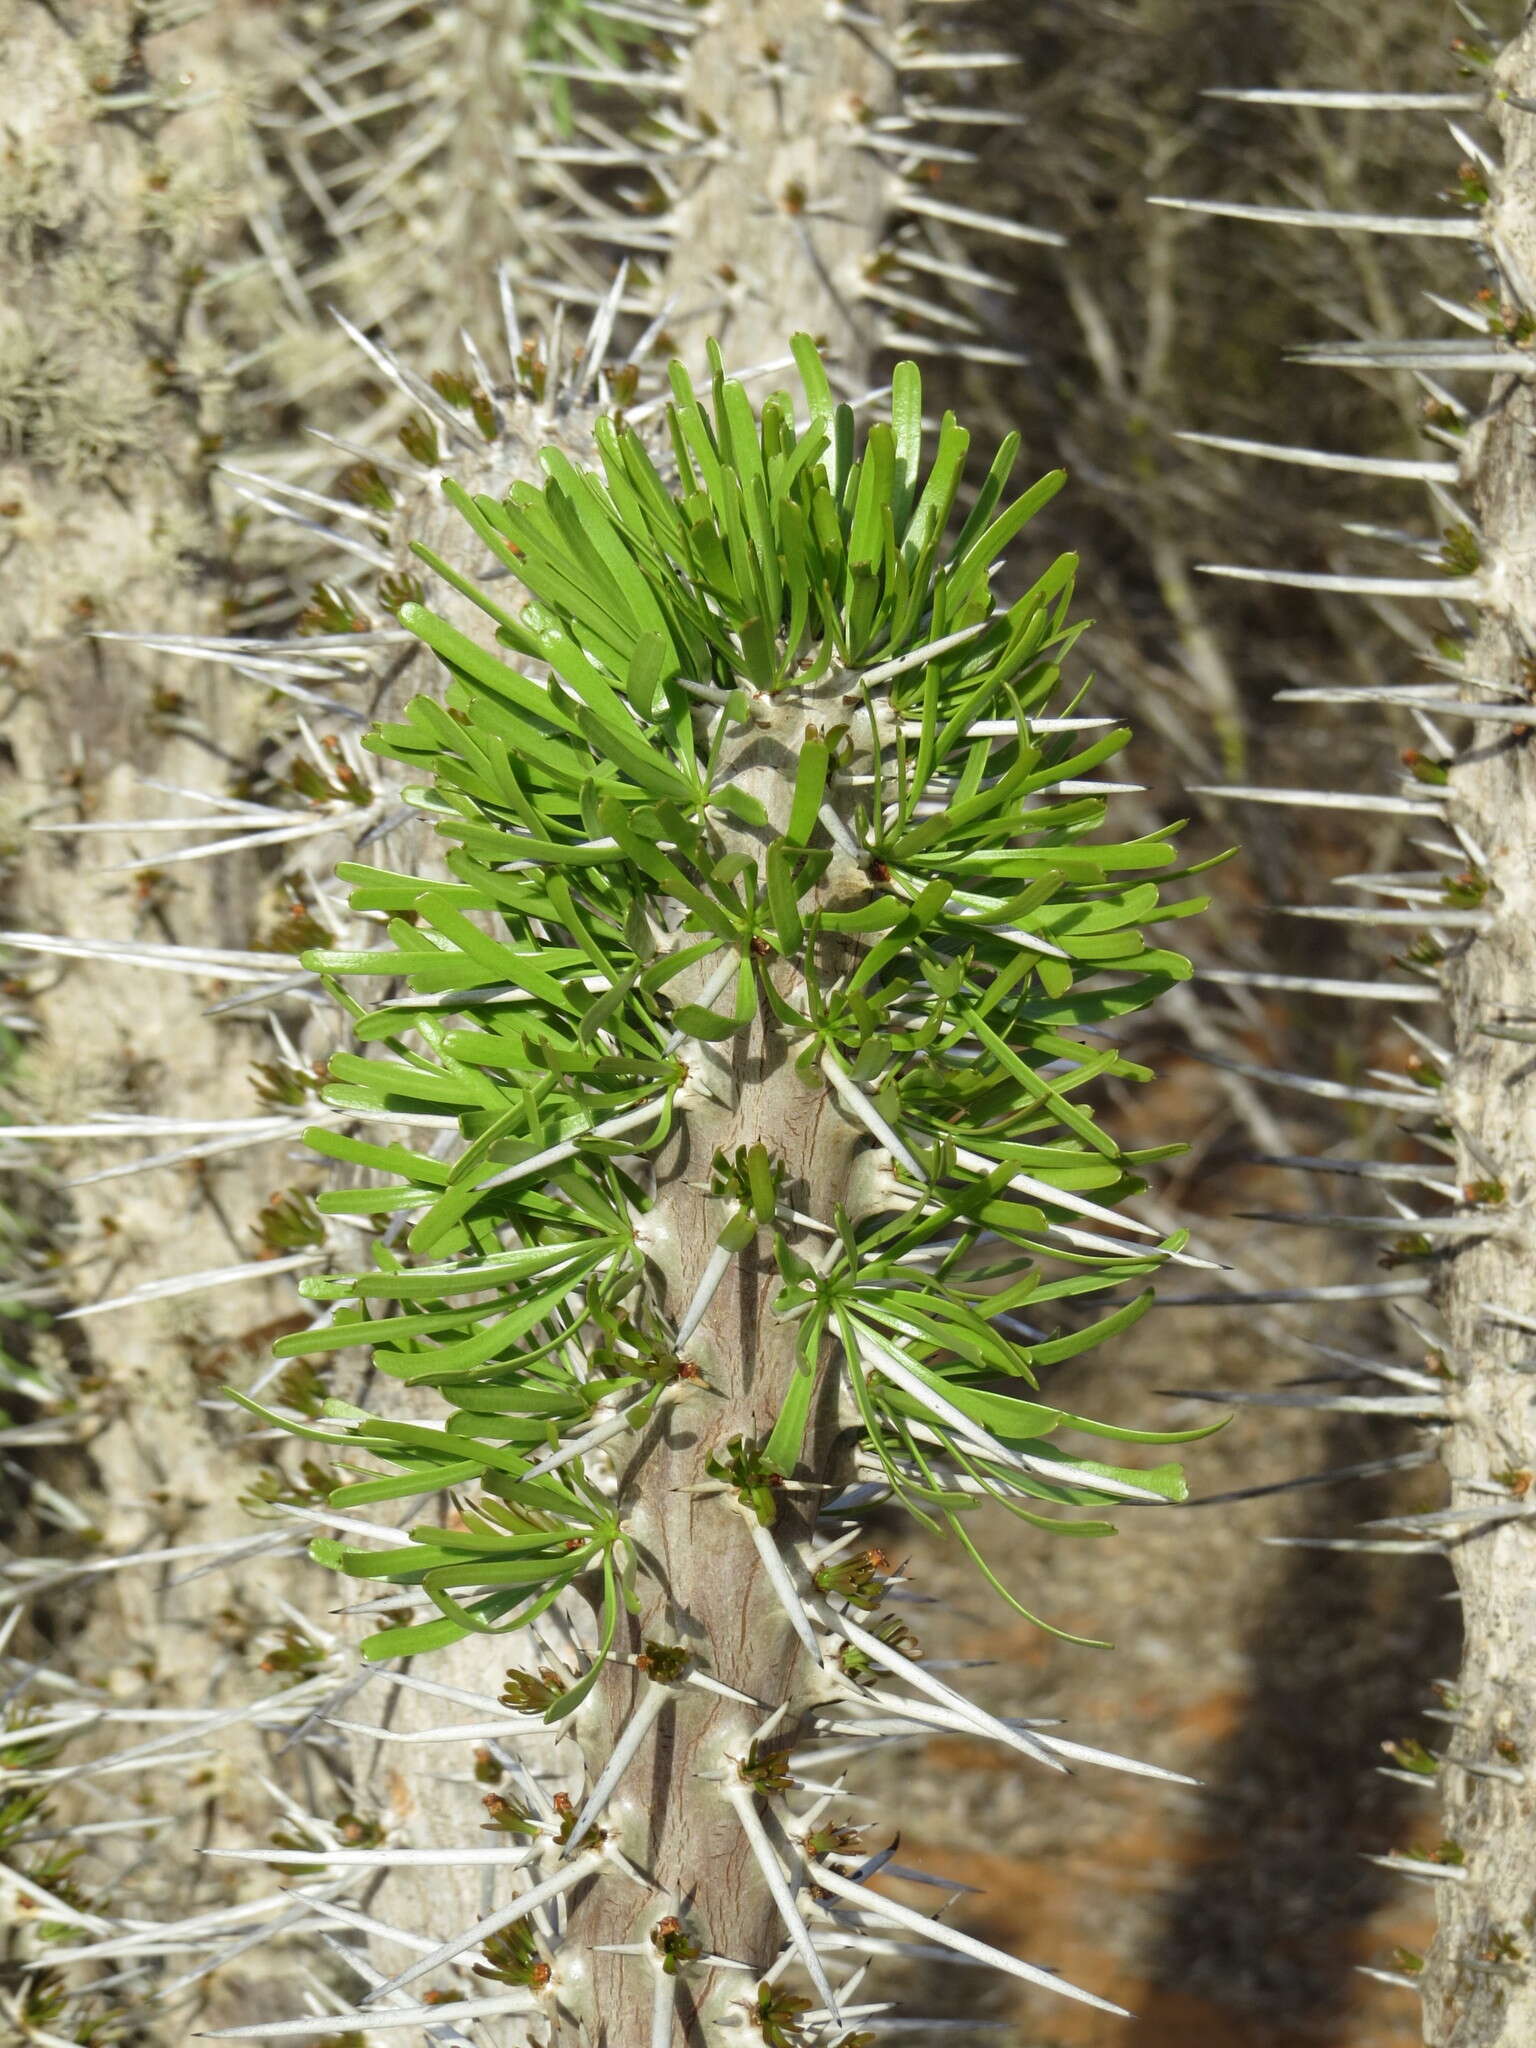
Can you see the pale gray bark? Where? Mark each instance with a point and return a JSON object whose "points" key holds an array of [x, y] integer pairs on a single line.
{"points": [[704, 1587], [775, 229], [110, 413], [772, 231], [112, 402], [1479, 1980], [772, 236]]}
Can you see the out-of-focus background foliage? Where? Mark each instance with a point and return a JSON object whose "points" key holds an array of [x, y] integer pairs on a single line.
{"points": [[1234, 1916]]}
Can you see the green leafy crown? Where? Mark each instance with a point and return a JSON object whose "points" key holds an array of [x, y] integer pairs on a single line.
{"points": [[602, 854]]}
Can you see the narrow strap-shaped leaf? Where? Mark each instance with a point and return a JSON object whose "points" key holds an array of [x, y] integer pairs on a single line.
{"points": [[697, 1022], [573, 1695], [663, 871], [783, 898], [467, 656], [810, 789], [907, 433], [813, 379]]}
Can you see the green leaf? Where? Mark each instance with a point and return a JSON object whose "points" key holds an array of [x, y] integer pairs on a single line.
{"points": [[1055, 1349], [469, 659], [573, 1695], [1167, 1480], [786, 1439], [962, 1536], [664, 871], [810, 788], [696, 1022], [783, 898], [907, 429], [813, 377]]}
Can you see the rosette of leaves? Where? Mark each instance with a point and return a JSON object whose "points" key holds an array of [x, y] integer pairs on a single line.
{"points": [[757, 1013]]}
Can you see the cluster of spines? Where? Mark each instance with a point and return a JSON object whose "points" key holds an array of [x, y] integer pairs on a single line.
{"points": [[577, 140]]}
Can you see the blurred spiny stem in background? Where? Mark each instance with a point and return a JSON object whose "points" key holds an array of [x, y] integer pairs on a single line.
{"points": [[1479, 1980], [753, 989], [1468, 790]]}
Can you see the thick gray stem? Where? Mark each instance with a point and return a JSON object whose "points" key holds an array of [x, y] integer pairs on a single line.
{"points": [[704, 1586], [775, 228], [1479, 1979], [773, 235], [113, 401]]}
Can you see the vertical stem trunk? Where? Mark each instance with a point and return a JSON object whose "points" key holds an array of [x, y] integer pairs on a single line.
{"points": [[113, 403], [670, 1816], [773, 232], [108, 433], [1479, 1979], [772, 235]]}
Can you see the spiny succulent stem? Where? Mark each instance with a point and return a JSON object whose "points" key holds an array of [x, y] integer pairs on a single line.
{"points": [[1488, 1290], [723, 965]]}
